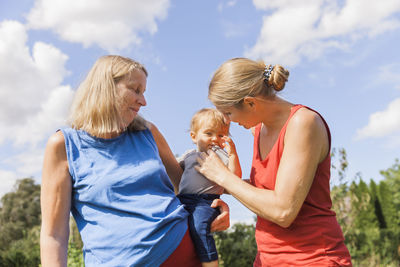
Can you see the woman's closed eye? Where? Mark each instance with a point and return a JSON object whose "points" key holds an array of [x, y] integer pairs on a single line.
{"points": [[136, 90]]}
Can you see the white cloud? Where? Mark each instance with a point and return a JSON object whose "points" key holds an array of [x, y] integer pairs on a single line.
{"points": [[390, 74], [296, 29], [382, 123], [7, 181], [27, 163], [32, 100], [112, 25], [52, 114], [234, 29], [223, 5]]}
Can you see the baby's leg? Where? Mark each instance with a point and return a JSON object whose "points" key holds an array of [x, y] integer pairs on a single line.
{"points": [[201, 219]]}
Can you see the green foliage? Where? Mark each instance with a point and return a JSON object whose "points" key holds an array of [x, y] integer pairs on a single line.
{"points": [[237, 246], [20, 211], [19, 225], [392, 180], [388, 205], [23, 252], [75, 255], [369, 215], [20, 228], [22, 205]]}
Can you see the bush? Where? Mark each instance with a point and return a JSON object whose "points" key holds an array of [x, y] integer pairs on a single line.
{"points": [[237, 246]]}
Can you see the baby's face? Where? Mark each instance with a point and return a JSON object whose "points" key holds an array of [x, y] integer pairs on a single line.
{"points": [[207, 136]]}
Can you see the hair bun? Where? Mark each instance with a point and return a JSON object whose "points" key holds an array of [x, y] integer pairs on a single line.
{"points": [[278, 78]]}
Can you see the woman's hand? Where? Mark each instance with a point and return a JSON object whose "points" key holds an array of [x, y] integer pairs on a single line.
{"points": [[220, 223], [211, 166]]}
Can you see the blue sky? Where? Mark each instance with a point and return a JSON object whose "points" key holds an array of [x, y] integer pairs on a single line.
{"points": [[343, 59]]}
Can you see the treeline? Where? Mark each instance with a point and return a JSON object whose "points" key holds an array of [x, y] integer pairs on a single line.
{"points": [[369, 214], [20, 228], [20, 225]]}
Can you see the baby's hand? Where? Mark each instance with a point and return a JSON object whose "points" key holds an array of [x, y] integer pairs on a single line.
{"points": [[229, 146], [233, 165]]}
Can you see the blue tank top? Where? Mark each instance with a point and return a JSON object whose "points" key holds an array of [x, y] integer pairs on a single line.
{"points": [[122, 199]]}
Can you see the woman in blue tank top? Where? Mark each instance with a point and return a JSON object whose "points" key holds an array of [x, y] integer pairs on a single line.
{"points": [[117, 175]]}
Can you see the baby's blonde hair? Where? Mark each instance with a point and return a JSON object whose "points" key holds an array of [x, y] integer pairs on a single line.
{"points": [[95, 106], [209, 116], [240, 77]]}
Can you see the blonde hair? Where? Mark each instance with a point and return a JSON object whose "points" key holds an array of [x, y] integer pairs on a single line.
{"points": [[240, 77], [212, 117], [95, 105]]}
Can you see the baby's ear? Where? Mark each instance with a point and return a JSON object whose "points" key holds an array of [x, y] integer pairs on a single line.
{"points": [[193, 136]]}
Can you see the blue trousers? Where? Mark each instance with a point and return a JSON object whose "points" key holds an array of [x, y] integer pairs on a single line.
{"points": [[200, 219]]}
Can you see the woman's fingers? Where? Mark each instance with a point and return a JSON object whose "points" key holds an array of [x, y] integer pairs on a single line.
{"points": [[222, 221]]}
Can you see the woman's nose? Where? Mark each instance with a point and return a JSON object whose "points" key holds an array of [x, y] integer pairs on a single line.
{"points": [[142, 100]]}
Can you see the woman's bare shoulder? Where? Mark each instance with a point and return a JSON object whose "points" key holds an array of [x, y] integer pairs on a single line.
{"points": [[305, 119], [56, 143]]}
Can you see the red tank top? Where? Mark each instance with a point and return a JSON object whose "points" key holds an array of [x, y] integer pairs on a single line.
{"points": [[315, 237]]}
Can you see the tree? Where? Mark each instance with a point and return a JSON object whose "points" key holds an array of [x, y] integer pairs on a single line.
{"points": [[20, 225], [377, 205], [366, 218], [340, 192], [19, 212], [368, 214], [392, 179], [388, 207], [237, 246], [24, 251], [75, 255]]}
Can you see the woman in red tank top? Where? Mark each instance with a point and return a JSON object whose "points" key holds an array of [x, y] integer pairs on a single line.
{"points": [[289, 180]]}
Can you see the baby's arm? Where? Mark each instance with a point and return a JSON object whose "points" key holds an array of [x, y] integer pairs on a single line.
{"points": [[233, 163]]}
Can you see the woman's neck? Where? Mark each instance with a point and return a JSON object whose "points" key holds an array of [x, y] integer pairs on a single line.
{"points": [[275, 112]]}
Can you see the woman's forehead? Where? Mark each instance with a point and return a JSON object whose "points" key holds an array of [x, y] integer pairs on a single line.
{"points": [[134, 76]]}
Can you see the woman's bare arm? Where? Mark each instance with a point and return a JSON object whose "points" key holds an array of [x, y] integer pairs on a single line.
{"points": [[306, 145], [172, 166], [55, 203]]}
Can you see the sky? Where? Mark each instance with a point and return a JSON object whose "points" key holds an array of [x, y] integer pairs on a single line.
{"points": [[343, 57]]}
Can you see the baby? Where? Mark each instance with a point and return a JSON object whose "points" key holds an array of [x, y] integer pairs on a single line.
{"points": [[208, 130]]}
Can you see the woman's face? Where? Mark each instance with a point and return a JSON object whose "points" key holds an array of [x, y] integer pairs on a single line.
{"points": [[242, 116], [130, 93]]}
